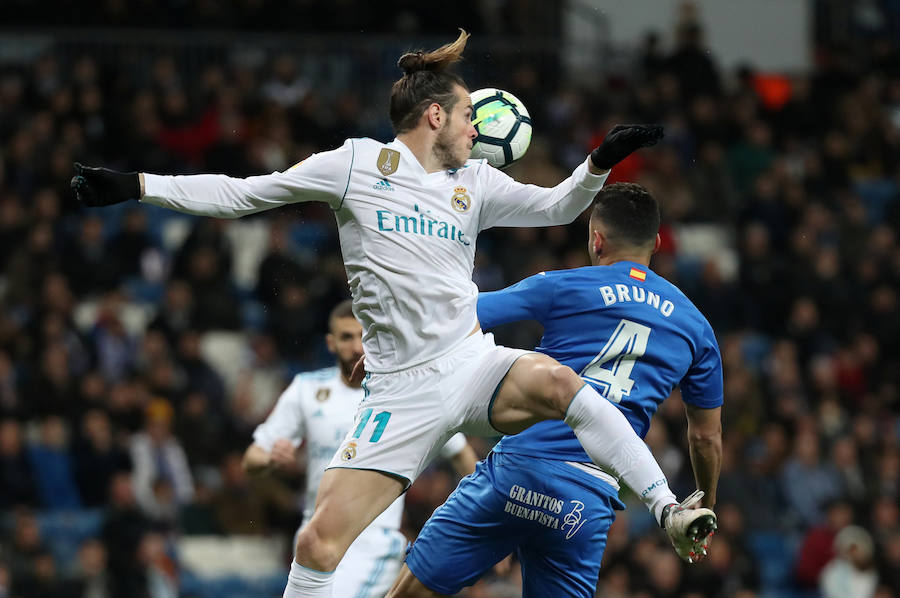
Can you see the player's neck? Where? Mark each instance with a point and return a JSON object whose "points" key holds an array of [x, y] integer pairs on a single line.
{"points": [[422, 147], [613, 258]]}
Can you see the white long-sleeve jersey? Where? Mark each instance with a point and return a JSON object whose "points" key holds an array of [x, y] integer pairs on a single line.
{"points": [[319, 407], [407, 236]]}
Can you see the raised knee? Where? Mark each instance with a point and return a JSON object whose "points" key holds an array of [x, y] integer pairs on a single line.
{"points": [[563, 384], [316, 552]]}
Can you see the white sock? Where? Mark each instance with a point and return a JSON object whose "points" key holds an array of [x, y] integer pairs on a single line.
{"points": [[610, 442], [307, 583]]}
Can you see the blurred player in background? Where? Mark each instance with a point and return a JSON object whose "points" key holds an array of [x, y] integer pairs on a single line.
{"points": [[634, 337], [319, 407], [408, 215]]}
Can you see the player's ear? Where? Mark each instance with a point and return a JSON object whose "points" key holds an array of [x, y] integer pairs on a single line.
{"points": [[331, 343], [435, 115], [597, 241], [657, 244]]}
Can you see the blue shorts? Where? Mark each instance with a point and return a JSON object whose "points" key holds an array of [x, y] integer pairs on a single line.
{"points": [[553, 515]]}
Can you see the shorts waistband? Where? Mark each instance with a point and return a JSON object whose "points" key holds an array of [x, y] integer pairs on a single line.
{"points": [[436, 363], [596, 471]]}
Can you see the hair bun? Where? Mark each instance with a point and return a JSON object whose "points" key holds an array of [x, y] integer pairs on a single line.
{"points": [[412, 62]]}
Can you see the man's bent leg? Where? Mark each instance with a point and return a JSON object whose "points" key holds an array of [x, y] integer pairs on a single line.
{"points": [[539, 388], [408, 586], [348, 500]]}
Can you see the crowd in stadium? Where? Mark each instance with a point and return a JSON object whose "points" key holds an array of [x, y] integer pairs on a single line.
{"points": [[112, 405]]}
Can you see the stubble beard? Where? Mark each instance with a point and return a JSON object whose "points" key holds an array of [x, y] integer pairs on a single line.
{"points": [[443, 150], [347, 366]]}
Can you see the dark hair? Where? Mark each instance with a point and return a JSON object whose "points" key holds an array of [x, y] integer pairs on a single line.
{"points": [[629, 213], [344, 309], [426, 79]]}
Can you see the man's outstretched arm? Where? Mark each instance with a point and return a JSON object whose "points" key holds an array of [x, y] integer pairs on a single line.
{"points": [[321, 177]]}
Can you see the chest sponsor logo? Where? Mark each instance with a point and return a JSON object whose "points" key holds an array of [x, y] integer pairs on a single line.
{"points": [[323, 394], [461, 201], [388, 161], [422, 223]]}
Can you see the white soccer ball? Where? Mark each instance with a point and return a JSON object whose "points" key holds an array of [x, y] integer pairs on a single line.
{"points": [[503, 125]]}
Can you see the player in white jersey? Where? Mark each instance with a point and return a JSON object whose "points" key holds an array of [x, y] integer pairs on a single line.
{"points": [[408, 215], [318, 407]]}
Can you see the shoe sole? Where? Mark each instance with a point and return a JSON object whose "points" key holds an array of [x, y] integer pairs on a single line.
{"points": [[702, 527]]}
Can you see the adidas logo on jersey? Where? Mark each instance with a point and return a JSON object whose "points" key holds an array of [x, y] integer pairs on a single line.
{"points": [[382, 185]]}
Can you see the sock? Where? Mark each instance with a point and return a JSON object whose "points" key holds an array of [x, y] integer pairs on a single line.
{"points": [[610, 442], [307, 583]]}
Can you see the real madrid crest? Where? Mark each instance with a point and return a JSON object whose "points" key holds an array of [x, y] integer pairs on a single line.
{"points": [[461, 200], [322, 394], [349, 451]]}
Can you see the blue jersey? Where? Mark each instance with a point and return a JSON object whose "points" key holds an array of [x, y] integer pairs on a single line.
{"points": [[627, 331]]}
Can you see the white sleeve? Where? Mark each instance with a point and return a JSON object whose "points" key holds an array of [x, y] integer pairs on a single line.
{"points": [[454, 446], [510, 203], [321, 177], [285, 421]]}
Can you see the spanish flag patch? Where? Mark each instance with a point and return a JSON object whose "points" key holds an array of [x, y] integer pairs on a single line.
{"points": [[638, 274]]}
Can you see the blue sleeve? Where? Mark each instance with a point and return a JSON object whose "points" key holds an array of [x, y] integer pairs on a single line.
{"points": [[525, 300], [702, 385]]}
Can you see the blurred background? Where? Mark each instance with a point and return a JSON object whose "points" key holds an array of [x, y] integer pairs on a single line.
{"points": [[132, 327]]}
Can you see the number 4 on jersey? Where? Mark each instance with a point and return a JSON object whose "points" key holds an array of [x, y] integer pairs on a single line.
{"points": [[611, 369]]}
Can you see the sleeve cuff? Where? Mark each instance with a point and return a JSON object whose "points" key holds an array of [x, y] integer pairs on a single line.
{"points": [[155, 188], [590, 181]]}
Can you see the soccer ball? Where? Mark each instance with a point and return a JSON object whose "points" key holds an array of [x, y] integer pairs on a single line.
{"points": [[503, 125]]}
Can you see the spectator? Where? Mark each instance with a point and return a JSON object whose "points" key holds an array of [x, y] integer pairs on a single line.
{"points": [[176, 314], [203, 429], [808, 482], [97, 458], [116, 348], [159, 462], [16, 478], [122, 532], [201, 377], [52, 388], [52, 464], [92, 573], [852, 572], [817, 548], [26, 546]]}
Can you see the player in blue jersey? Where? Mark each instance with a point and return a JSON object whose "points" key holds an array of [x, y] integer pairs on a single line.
{"points": [[634, 337]]}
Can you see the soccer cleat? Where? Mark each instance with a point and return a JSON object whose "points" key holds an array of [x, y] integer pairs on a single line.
{"points": [[689, 530]]}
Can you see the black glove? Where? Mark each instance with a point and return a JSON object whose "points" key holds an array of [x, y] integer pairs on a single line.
{"points": [[621, 141], [104, 187]]}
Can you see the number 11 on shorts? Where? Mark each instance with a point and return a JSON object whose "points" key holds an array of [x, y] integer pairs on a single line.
{"points": [[381, 421]]}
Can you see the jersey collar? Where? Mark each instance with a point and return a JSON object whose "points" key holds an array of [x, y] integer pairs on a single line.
{"points": [[410, 157], [415, 166]]}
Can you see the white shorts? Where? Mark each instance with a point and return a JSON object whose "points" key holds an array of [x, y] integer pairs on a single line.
{"points": [[370, 565], [407, 416]]}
